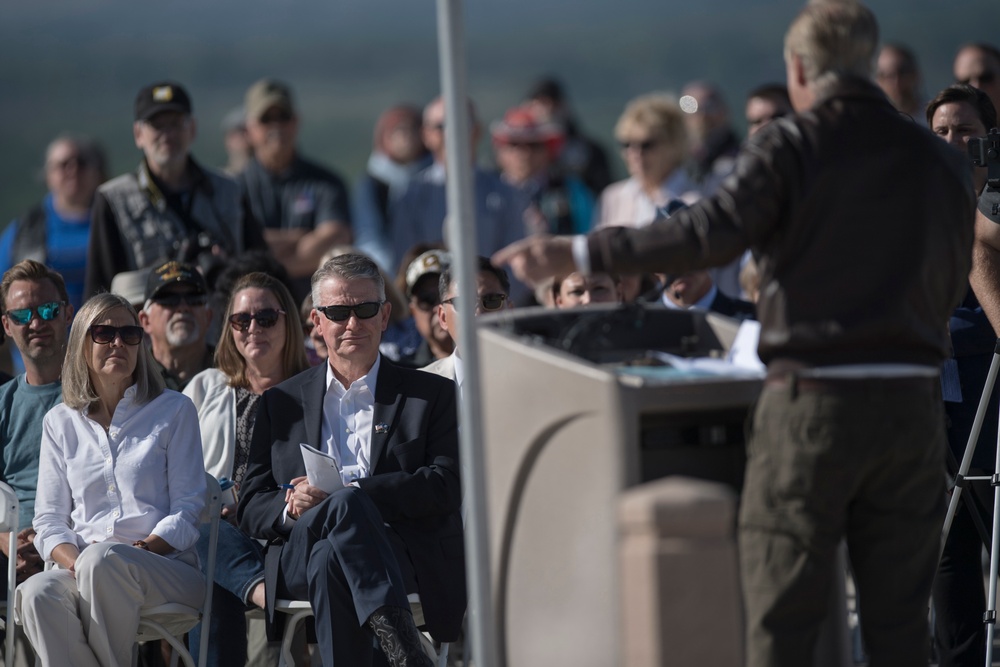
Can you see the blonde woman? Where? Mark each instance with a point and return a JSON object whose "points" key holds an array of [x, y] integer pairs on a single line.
{"points": [[120, 493]]}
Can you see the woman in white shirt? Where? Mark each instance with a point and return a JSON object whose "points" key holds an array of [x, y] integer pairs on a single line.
{"points": [[120, 494], [261, 347]]}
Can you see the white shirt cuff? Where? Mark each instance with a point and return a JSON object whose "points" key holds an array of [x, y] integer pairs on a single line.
{"points": [[581, 254]]}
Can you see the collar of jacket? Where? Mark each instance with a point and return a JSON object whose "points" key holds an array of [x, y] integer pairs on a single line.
{"points": [[149, 186]]}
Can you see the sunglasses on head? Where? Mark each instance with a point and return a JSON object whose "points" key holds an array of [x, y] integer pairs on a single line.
{"points": [[174, 300], [46, 312], [104, 334], [362, 311], [266, 319], [488, 302]]}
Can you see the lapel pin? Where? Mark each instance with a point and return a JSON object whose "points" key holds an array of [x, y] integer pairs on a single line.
{"points": [[381, 428]]}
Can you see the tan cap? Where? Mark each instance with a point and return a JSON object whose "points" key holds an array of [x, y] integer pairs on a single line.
{"points": [[267, 94]]}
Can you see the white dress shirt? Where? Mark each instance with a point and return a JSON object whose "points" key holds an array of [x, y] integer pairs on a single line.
{"points": [[144, 476], [348, 419]]}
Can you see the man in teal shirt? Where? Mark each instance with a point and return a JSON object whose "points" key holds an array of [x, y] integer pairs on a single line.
{"points": [[36, 317]]}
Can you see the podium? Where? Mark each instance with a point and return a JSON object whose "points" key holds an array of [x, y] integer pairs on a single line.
{"points": [[574, 412]]}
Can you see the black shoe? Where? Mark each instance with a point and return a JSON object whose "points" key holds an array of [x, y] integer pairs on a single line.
{"points": [[398, 637]]}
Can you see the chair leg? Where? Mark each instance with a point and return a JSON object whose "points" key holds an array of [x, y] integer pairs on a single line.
{"points": [[287, 660]]}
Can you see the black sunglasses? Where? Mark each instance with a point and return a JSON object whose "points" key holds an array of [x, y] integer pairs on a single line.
{"points": [[985, 78], [266, 318], [273, 117], [46, 312], [488, 302], [427, 302], [362, 311], [641, 146], [174, 300], [104, 334]]}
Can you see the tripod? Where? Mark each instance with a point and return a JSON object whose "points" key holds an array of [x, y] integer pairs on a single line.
{"points": [[961, 480]]}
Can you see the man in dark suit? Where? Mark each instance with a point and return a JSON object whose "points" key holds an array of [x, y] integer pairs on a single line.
{"points": [[697, 289], [356, 552]]}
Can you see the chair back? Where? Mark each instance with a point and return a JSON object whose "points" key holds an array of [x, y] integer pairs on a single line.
{"points": [[153, 629], [9, 522], [213, 506]]}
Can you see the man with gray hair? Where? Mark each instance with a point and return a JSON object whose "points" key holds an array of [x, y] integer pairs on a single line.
{"points": [[848, 435], [176, 318], [389, 524]]}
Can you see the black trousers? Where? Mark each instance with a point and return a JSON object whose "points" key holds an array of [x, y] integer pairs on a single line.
{"points": [[340, 556]]}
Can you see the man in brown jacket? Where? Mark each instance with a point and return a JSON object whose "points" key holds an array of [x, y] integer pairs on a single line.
{"points": [[861, 223]]}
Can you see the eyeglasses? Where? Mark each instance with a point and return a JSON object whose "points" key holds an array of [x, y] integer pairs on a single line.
{"points": [[274, 117], [641, 146], [488, 302], [104, 334], [174, 300], [984, 78], [362, 311], [265, 318], [46, 312], [426, 302]]}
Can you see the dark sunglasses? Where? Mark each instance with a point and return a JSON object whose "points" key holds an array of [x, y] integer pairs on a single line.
{"points": [[274, 117], [427, 302], [641, 146], [488, 302], [985, 78], [46, 311], [266, 318], [174, 300], [104, 334], [78, 161], [362, 311]]}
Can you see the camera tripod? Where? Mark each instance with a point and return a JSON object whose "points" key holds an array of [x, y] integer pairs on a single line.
{"points": [[961, 481]]}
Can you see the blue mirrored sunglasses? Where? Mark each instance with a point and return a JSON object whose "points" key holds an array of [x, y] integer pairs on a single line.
{"points": [[46, 311]]}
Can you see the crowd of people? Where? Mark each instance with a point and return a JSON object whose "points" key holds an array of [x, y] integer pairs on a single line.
{"points": [[178, 319]]}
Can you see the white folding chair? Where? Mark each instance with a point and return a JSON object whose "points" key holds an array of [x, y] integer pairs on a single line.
{"points": [[170, 621], [299, 610], [9, 523]]}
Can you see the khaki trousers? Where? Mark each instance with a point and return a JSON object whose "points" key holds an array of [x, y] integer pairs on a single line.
{"points": [[91, 619]]}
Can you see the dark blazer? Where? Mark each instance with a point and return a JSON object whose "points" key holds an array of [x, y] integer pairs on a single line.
{"points": [[414, 480]]}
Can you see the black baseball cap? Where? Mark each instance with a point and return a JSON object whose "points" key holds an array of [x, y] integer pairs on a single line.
{"points": [[163, 96], [172, 273]]}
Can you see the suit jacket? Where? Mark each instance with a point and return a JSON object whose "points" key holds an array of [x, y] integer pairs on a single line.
{"points": [[414, 480], [737, 308]]}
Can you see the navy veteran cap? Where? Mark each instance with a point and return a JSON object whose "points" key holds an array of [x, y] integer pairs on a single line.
{"points": [[173, 273], [164, 96]]}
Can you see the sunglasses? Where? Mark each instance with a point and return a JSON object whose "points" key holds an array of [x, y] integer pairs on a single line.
{"points": [[266, 319], [46, 312], [488, 302], [174, 300], [274, 117], [78, 161], [426, 302], [104, 334], [983, 79], [362, 311], [641, 146]]}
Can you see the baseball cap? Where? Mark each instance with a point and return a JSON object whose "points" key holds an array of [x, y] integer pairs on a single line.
{"points": [[265, 94], [431, 262], [173, 273], [132, 286], [163, 96]]}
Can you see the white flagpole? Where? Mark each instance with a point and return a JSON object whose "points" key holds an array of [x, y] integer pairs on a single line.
{"points": [[461, 235]]}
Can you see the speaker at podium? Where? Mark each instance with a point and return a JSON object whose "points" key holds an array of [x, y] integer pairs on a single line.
{"points": [[578, 406]]}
